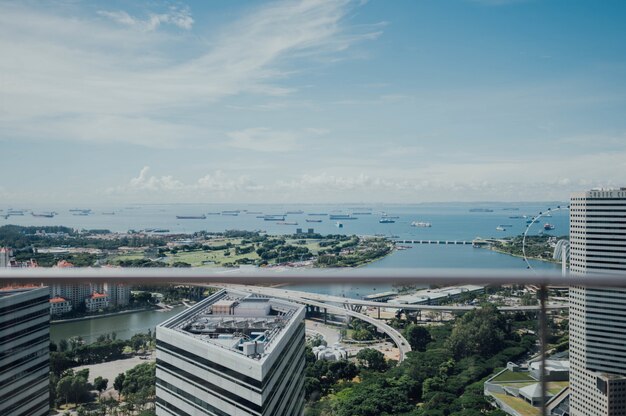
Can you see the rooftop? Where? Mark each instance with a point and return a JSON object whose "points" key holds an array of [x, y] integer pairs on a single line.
{"points": [[241, 322]]}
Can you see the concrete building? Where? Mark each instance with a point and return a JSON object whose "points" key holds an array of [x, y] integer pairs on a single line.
{"points": [[24, 351], [232, 354], [5, 257], [96, 302], [59, 306], [598, 315]]}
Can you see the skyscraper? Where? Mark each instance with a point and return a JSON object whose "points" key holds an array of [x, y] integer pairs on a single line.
{"points": [[598, 315], [24, 351], [232, 354]]}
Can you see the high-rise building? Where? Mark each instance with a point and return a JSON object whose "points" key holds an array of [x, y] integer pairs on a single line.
{"points": [[232, 354], [24, 351], [598, 315]]}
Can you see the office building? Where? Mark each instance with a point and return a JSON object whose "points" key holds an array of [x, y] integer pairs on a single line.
{"points": [[232, 354], [598, 315], [24, 351]]}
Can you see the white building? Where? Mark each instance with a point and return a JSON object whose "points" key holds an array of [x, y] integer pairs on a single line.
{"points": [[96, 302], [214, 360], [598, 316], [5, 257], [24, 351], [59, 306]]}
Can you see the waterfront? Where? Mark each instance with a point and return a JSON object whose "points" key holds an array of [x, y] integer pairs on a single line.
{"points": [[450, 222], [124, 326], [428, 256]]}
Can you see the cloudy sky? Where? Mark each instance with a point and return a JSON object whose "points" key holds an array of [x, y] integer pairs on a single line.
{"points": [[310, 101]]}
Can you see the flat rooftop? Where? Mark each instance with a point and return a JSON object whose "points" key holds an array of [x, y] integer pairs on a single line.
{"points": [[241, 322]]}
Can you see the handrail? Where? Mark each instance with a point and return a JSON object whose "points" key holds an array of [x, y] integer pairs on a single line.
{"points": [[301, 275]]}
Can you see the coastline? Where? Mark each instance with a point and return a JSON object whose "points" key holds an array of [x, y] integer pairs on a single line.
{"points": [[520, 256], [105, 315]]}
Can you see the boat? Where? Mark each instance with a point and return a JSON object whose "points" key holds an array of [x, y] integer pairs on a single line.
{"points": [[230, 214], [309, 220], [480, 210], [80, 214], [43, 215], [294, 212], [361, 213], [515, 217], [108, 213], [500, 228], [342, 217], [386, 220], [191, 217], [234, 211], [15, 212], [338, 224], [510, 209], [530, 221], [393, 217], [278, 217], [287, 223], [548, 227], [318, 214], [213, 213], [80, 210], [421, 224]]}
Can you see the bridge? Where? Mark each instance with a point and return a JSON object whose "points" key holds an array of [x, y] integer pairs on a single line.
{"points": [[353, 307], [295, 296], [475, 242]]}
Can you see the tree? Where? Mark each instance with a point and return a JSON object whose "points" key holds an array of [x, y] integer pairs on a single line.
{"points": [[480, 332], [418, 337], [100, 384], [372, 359], [118, 383], [63, 345]]}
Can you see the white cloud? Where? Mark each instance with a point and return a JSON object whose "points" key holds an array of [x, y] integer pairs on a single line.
{"points": [[177, 16], [263, 139], [106, 75], [169, 186]]}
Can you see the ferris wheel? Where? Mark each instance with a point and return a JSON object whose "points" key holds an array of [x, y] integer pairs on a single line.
{"points": [[561, 251]]}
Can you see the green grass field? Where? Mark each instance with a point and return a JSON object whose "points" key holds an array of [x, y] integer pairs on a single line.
{"points": [[510, 376], [519, 405]]}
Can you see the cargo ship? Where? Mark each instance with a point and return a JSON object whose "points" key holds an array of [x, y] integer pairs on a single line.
{"points": [[191, 217], [386, 220], [278, 217], [294, 212], [548, 227], [342, 217], [43, 215], [310, 220], [318, 214]]}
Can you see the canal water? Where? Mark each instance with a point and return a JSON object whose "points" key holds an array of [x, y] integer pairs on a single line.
{"points": [[418, 256]]}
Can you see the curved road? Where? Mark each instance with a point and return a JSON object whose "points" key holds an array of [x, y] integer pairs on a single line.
{"points": [[295, 296], [357, 302]]}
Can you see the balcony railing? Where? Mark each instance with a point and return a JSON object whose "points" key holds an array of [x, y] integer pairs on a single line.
{"points": [[264, 278]]}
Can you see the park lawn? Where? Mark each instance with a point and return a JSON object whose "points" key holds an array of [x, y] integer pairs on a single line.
{"points": [[519, 405], [198, 257], [510, 376], [126, 256]]}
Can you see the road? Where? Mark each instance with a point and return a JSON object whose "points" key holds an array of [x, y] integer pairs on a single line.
{"points": [[447, 308], [295, 296]]}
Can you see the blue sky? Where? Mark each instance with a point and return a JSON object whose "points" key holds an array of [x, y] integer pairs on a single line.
{"points": [[311, 101]]}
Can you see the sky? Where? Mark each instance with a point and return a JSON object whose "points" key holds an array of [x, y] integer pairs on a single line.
{"points": [[311, 101]]}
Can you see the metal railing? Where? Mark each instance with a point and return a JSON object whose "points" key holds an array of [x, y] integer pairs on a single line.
{"points": [[268, 276]]}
